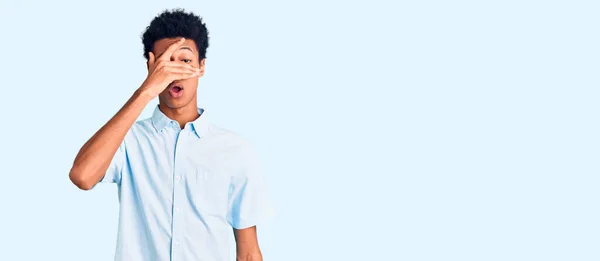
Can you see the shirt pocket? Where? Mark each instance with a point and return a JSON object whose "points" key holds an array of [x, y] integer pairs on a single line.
{"points": [[211, 193]]}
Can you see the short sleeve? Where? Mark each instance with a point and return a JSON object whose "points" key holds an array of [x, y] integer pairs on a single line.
{"points": [[249, 200], [113, 173]]}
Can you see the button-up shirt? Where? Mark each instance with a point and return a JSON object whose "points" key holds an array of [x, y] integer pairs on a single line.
{"points": [[182, 190]]}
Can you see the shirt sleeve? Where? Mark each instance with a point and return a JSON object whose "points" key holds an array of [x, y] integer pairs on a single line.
{"points": [[249, 201], [113, 173]]}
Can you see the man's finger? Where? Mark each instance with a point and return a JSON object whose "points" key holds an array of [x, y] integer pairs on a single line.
{"points": [[181, 70], [180, 65], [171, 49], [187, 75]]}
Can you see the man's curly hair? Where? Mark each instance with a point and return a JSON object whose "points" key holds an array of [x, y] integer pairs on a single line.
{"points": [[176, 23]]}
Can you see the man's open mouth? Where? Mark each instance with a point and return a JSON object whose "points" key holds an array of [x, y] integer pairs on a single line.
{"points": [[175, 89]]}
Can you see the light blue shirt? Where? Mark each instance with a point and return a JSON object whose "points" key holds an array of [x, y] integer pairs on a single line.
{"points": [[182, 190]]}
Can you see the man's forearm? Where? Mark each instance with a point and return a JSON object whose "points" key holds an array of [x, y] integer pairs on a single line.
{"points": [[95, 156], [247, 244]]}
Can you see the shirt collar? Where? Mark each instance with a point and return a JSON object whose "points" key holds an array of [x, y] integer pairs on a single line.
{"points": [[199, 126]]}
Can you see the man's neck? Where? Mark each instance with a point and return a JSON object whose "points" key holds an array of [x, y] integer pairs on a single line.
{"points": [[182, 115]]}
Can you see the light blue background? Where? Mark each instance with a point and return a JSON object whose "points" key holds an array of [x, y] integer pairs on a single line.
{"points": [[389, 130]]}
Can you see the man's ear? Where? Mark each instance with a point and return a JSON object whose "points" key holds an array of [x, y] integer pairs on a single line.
{"points": [[150, 60], [202, 65]]}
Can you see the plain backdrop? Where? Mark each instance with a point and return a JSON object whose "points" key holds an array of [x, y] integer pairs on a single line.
{"points": [[388, 130]]}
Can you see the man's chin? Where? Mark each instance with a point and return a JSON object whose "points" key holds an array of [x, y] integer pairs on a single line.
{"points": [[174, 103]]}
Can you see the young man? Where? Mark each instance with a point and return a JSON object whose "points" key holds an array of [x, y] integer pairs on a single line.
{"points": [[183, 182]]}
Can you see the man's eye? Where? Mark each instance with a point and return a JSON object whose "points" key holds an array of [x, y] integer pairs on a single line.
{"points": [[186, 60]]}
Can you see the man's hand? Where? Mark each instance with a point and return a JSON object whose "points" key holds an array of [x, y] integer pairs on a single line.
{"points": [[162, 71]]}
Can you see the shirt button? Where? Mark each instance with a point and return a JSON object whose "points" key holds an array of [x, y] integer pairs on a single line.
{"points": [[176, 209], [176, 242], [178, 178]]}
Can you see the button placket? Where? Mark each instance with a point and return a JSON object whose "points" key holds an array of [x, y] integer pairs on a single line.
{"points": [[178, 196]]}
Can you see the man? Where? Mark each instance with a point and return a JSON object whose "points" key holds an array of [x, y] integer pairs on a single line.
{"points": [[183, 182]]}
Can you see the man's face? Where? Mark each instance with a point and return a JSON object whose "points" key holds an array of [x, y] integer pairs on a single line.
{"points": [[186, 53]]}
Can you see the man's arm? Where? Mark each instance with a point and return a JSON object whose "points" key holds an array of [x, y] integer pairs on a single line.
{"points": [[94, 158], [249, 204], [247, 244]]}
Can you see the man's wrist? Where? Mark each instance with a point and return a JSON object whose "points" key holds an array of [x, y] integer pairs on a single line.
{"points": [[249, 257], [144, 94]]}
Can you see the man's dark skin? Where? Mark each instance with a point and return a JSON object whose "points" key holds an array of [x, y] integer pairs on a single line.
{"points": [[172, 61]]}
